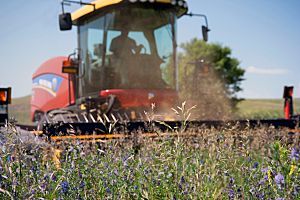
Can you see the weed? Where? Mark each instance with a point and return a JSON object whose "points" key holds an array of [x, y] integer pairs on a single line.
{"points": [[226, 163]]}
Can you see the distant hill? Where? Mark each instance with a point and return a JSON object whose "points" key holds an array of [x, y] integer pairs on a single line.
{"points": [[247, 109], [264, 108], [20, 109]]}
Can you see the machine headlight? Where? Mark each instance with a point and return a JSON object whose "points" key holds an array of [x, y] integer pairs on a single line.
{"points": [[180, 3]]}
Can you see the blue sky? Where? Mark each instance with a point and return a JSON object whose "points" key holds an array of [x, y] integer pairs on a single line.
{"points": [[263, 34]]}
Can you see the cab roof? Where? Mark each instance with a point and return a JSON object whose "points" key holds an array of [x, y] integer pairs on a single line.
{"points": [[99, 4]]}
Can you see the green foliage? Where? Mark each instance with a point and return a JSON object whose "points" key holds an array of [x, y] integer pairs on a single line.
{"points": [[215, 164], [215, 56]]}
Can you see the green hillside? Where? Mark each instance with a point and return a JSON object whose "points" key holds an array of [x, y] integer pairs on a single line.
{"points": [[264, 108], [20, 109]]}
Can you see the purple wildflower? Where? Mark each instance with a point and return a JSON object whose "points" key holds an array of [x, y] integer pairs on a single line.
{"points": [[116, 172], [279, 198], [296, 190], [231, 194], [146, 172], [264, 170], [154, 181], [261, 196], [295, 154], [182, 180], [263, 181], [180, 187], [44, 185], [252, 191], [184, 192], [81, 185], [65, 187], [53, 177], [279, 179], [231, 182], [255, 165], [46, 177], [108, 191], [158, 182]]}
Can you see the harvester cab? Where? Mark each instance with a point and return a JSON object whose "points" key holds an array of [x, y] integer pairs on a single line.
{"points": [[5, 99], [125, 62]]}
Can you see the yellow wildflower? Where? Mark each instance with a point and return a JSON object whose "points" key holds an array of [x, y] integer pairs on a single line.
{"points": [[270, 176], [293, 168]]}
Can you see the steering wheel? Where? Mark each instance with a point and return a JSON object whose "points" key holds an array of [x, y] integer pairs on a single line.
{"points": [[139, 49]]}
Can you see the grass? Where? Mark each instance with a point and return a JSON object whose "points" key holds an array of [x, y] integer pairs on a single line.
{"points": [[264, 108], [229, 163]]}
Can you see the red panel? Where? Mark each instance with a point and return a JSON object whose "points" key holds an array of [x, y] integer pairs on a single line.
{"points": [[44, 99], [287, 111], [51, 66]]}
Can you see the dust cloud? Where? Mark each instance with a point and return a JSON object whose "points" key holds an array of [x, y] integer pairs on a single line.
{"points": [[204, 88]]}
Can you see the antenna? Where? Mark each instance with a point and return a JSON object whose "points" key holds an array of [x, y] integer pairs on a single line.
{"points": [[69, 2]]}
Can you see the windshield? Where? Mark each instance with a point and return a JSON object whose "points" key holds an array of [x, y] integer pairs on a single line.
{"points": [[129, 48]]}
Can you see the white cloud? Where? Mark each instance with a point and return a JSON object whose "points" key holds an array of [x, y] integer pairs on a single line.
{"points": [[266, 71]]}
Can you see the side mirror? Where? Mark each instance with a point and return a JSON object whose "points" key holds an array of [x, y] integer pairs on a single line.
{"points": [[205, 31], [65, 21]]}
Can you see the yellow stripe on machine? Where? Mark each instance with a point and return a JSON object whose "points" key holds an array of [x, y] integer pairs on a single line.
{"points": [[163, 1], [100, 4], [105, 137], [88, 8], [86, 137]]}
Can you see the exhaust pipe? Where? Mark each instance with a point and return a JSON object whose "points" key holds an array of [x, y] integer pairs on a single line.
{"points": [[288, 102]]}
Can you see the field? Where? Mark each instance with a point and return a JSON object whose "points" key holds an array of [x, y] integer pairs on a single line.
{"points": [[264, 108], [229, 163], [226, 163], [247, 109]]}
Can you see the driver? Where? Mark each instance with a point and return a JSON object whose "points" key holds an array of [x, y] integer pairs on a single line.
{"points": [[125, 58], [124, 46]]}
